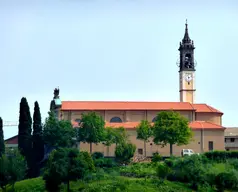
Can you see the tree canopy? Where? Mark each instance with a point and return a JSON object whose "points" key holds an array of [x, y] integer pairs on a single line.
{"points": [[58, 133], [124, 152], [171, 128], [12, 168], [91, 129], [24, 133], [144, 132], [37, 139], [64, 165]]}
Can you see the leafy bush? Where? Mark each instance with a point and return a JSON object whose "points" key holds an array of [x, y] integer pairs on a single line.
{"points": [[138, 170], [65, 165], [233, 162], [33, 185], [205, 188], [156, 157], [124, 152], [227, 180], [169, 162], [221, 155], [163, 170], [87, 158], [97, 155], [190, 169], [12, 168], [104, 162]]}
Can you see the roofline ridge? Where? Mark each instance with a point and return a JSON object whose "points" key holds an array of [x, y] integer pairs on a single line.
{"points": [[129, 101], [215, 124]]}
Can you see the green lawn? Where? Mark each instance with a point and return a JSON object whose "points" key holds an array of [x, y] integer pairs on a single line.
{"points": [[136, 177], [112, 184]]}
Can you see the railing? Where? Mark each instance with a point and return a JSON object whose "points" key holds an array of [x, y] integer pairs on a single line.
{"points": [[231, 144]]}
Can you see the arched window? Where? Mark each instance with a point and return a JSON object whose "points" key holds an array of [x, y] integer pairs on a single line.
{"points": [[77, 120], [116, 120], [154, 119]]}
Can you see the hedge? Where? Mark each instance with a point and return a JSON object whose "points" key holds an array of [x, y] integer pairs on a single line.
{"points": [[221, 155]]}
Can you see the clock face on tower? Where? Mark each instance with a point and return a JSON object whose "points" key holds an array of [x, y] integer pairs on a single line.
{"points": [[188, 77]]}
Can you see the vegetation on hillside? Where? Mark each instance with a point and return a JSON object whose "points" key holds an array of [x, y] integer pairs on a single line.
{"points": [[68, 169]]}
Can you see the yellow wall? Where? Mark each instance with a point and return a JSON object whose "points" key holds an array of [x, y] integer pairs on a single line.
{"points": [[209, 117], [126, 116], [198, 144]]}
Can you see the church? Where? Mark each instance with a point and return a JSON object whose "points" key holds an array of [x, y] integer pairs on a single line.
{"points": [[204, 120]]}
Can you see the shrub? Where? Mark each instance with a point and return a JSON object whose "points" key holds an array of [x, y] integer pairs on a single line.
{"points": [[99, 162], [189, 170], [233, 162], [205, 188], [124, 152], [87, 158], [138, 170], [97, 155], [156, 158], [169, 162], [104, 162], [66, 165], [163, 170], [227, 180], [221, 155]]}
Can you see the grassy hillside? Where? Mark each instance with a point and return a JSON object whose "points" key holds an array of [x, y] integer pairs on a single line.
{"points": [[107, 184]]}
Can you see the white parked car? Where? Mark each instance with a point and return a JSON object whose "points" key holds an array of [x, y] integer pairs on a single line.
{"points": [[188, 152]]}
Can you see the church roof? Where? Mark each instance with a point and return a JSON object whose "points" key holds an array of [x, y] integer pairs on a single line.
{"points": [[132, 125], [133, 105], [193, 125]]}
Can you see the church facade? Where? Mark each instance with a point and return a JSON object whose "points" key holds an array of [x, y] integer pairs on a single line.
{"points": [[204, 120]]}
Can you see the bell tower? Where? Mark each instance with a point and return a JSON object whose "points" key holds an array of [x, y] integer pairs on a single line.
{"points": [[186, 68]]}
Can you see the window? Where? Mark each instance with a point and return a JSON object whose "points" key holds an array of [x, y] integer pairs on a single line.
{"points": [[232, 140], [225, 140], [116, 120], [154, 119], [140, 151], [210, 145]]}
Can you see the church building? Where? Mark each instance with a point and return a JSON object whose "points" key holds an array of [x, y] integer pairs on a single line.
{"points": [[204, 120]]}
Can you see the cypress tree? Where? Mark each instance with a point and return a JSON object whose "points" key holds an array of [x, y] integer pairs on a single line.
{"points": [[2, 145], [24, 132], [38, 143]]}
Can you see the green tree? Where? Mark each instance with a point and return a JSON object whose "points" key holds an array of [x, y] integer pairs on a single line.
{"points": [[12, 169], [64, 165], [37, 138], [4, 172], [91, 129], [144, 132], [124, 152], [113, 135], [24, 133], [121, 135], [16, 167], [171, 128], [58, 133], [2, 145]]}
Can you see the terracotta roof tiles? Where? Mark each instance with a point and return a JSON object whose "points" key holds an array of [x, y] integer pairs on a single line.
{"points": [[124, 105], [133, 125], [133, 105]]}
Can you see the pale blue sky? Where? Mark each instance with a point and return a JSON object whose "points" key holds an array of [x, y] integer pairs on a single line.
{"points": [[115, 50]]}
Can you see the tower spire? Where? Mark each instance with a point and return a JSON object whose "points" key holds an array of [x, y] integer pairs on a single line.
{"points": [[186, 38]]}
